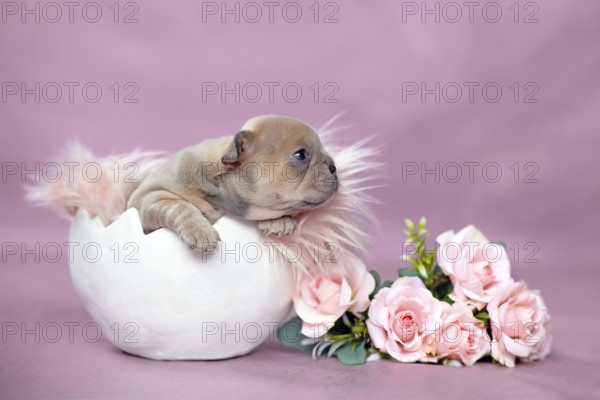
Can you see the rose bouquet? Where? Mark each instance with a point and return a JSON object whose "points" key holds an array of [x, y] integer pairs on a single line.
{"points": [[456, 304]]}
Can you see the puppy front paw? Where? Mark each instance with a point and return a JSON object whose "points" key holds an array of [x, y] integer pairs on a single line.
{"points": [[200, 237], [278, 226]]}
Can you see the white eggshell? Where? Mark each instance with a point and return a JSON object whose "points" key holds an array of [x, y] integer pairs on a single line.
{"points": [[154, 297]]}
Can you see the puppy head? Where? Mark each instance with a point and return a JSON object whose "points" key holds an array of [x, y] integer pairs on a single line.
{"points": [[279, 167]]}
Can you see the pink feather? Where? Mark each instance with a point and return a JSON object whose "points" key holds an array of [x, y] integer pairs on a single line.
{"points": [[105, 197], [335, 231], [337, 223]]}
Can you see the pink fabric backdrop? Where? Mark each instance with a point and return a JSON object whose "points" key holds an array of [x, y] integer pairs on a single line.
{"points": [[373, 60]]}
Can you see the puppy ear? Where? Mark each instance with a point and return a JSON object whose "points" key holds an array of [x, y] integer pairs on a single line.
{"points": [[239, 148]]}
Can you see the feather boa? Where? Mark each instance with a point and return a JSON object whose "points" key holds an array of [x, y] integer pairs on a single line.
{"points": [[334, 228]]}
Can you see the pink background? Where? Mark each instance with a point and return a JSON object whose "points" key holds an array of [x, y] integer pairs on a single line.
{"points": [[367, 54]]}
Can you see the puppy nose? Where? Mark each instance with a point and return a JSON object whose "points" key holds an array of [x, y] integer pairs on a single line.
{"points": [[332, 168]]}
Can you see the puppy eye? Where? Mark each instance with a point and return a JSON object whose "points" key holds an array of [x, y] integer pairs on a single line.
{"points": [[300, 155]]}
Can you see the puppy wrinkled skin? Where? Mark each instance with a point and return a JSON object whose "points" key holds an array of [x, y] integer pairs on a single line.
{"points": [[274, 168]]}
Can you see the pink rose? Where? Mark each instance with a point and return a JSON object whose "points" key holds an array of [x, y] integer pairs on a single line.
{"points": [[476, 267], [325, 296], [519, 320], [461, 335], [402, 318]]}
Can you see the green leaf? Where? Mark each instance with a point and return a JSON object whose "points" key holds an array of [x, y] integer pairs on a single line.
{"points": [[444, 288], [410, 225], [407, 272], [482, 315], [377, 278], [334, 347], [351, 354], [501, 244], [387, 283], [422, 223], [289, 334], [346, 320], [422, 271]]}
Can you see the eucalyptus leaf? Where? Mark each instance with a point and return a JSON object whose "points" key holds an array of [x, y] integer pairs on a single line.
{"points": [[351, 354], [290, 335], [407, 272], [387, 284], [501, 244], [335, 348], [377, 278]]}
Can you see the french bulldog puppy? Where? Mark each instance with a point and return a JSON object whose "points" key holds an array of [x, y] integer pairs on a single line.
{"points": [[274, 168]]}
